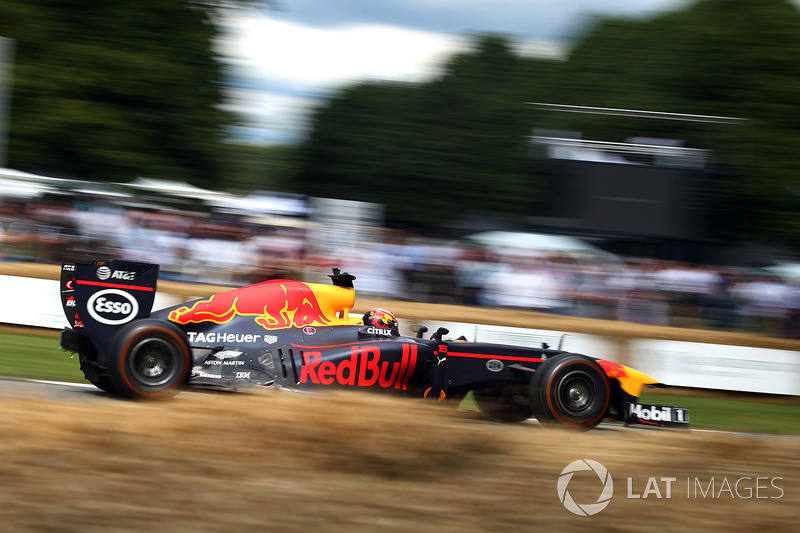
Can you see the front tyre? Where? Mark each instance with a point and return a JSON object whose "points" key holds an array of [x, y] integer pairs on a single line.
{"points": [[571, 390], [149, 358]]}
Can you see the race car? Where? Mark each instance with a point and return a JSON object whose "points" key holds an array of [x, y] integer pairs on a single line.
{"points": [[301, 336]]}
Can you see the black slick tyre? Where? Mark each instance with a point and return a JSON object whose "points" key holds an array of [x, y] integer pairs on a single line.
{"points": [[149, 358], [570, 390]]}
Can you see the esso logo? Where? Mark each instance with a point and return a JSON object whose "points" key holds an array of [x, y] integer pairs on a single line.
{"points": [[112, 307]]}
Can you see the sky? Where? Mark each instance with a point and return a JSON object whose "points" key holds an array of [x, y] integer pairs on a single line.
{"points": [[283, 61]]}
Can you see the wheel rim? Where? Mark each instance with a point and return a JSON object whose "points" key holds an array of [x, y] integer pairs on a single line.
{"points": [[153, 362], [576, 393]]}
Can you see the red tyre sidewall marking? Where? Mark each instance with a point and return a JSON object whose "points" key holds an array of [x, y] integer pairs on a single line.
{"points": [[549, 393], [122, 357]]}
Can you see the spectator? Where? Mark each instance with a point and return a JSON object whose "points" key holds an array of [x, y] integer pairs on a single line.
{"points": [[526, 282], [766, 304]]}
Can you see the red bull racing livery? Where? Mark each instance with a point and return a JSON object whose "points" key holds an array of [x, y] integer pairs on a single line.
{"points": [[300, 336]]}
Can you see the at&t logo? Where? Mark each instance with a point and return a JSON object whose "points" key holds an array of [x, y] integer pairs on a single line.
{"points": [[587, 509], [103, 273]]}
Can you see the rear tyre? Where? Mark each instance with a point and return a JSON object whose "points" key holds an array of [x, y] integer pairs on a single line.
{"points": [[571, 390], [149, 358], [508, 404]]}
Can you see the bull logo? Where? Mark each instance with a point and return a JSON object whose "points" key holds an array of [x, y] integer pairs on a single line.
{"points": [[276, 304]]}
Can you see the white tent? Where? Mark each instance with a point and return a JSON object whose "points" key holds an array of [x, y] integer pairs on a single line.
{"points": [[178, 189], [264, 203], [23, 189], [511, 242], [789, 272]]}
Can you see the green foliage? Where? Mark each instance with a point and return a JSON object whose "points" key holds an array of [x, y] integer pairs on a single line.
{"points": [[458, 143], [114, 90], [716, 57], [429, 152], [253, 167]]}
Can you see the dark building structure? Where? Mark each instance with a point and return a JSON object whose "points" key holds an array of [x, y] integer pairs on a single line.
{"points": [[646, 197]]}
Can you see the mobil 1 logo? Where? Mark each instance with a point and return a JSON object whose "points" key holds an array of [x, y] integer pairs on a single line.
{"points": [[656, 415], [112, 307]]}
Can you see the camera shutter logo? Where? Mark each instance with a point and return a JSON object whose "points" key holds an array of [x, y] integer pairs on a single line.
{"points": [[588, 509]]}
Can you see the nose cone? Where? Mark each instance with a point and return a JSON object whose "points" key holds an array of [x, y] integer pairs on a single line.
{"points": [[630, 379]]}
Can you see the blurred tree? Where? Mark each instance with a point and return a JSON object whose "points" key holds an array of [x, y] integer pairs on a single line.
{"points": [[113, 90], [363, 145], [458, 143], [249, 167], [430, 152], [734, 58]]}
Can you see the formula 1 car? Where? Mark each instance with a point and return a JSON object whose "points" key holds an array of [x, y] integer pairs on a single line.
{"points": [[301, 336]]}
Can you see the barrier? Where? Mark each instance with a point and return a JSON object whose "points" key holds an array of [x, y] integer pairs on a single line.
{"points": [[676, 357]]}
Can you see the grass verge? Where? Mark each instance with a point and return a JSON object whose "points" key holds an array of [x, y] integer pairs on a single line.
{"points": [[37, 357], [735, 412]]}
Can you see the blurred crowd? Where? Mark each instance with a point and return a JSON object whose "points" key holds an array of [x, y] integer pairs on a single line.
{"points": [[229, 249], [643, 291]]}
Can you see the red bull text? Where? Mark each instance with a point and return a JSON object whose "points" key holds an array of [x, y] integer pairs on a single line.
{"points": [[364, 368]]}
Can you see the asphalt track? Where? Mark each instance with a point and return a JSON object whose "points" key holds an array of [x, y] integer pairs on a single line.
{"points": [[62, 391], [59, 391], [48, 390]]}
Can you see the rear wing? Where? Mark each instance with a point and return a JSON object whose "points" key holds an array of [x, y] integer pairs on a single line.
{"points": [[101, 296]]}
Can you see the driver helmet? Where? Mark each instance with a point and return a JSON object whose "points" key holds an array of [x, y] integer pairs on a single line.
{"points": [[381, 318]]}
